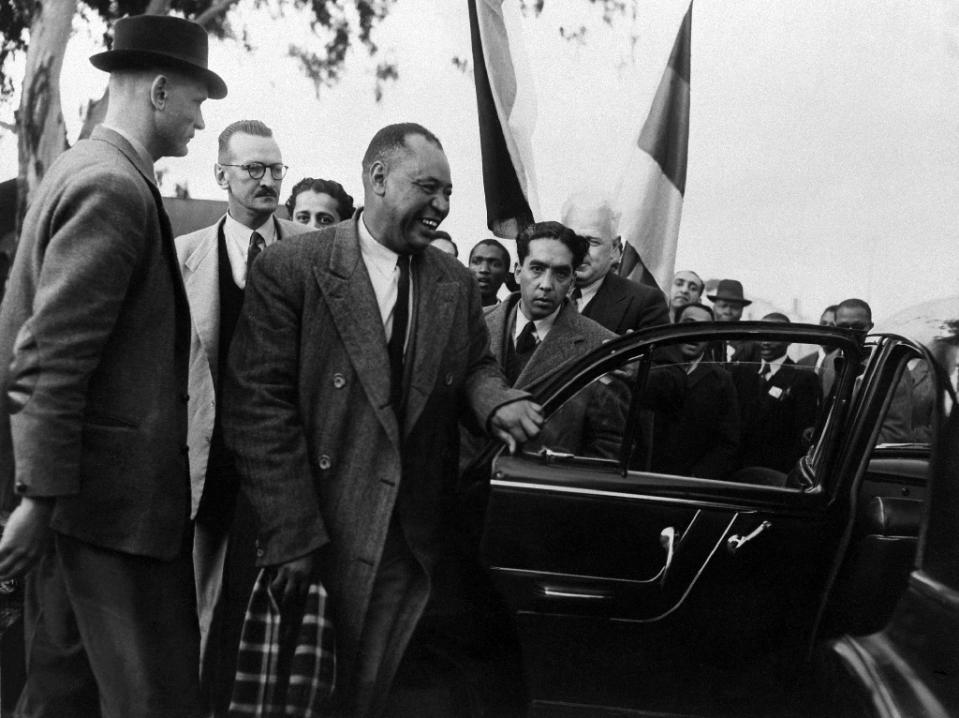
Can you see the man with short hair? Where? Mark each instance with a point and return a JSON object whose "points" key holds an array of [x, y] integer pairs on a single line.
{"points": [[535, 331], [822, 361], [214, 262], [855, 313], [687, 288], [94, 348], [356, 354], [778, 403], [701, 438], [444, 242], [318, 203], [728, 304], [489, 263], [600, 294]]}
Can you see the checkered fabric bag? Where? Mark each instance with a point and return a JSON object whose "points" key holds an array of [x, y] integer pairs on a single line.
{"points": [[284, 668]]}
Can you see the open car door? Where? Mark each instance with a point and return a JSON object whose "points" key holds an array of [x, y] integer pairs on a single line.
{"points": [[645, 580]]}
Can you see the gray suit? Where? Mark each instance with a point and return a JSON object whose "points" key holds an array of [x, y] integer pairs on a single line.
{"points": [[591, 422], [319, 448], [94, 342]]}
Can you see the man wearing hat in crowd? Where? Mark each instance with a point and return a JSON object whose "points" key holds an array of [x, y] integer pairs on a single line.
{"points": [[94, 344], [728, 304]]}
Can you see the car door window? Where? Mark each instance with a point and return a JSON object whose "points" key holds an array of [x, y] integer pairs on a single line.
{"points": [[683, 410]]}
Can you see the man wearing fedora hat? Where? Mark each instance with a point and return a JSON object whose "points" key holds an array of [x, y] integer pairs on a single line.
{"points": [[94, 345], [728, 304]]}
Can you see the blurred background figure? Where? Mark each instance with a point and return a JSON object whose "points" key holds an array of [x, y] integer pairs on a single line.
{"points": [[822, 361], [319, 203], [489, 263], [444, 242], [687, 288], [728, 304]]}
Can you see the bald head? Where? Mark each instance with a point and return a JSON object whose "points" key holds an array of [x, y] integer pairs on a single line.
{"points": [[590, 215]]}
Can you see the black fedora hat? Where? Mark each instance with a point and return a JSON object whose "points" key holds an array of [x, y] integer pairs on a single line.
{"points": [[161, 41], [730, 290]]}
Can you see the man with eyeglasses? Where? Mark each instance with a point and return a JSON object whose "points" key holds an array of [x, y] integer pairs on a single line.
{"points": [[214, 263]]}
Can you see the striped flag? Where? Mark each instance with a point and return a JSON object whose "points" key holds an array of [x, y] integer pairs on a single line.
{"points": [[506, 104], [649, 196]]}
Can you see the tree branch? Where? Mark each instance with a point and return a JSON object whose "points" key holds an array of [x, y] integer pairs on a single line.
{"points": [[215, 10], [10, 127]]}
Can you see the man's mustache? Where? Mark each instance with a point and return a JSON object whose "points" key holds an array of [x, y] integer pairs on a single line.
{"points": [[266, 192]]}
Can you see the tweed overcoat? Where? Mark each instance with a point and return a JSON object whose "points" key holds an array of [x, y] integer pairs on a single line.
{"points": [[307, 411], [94, 343]]}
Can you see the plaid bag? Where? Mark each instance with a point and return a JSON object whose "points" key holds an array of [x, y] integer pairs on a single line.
{"points": [[286, 664]]}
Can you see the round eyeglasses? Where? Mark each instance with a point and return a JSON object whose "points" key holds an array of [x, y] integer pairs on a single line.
{"points": [[256, 170]]}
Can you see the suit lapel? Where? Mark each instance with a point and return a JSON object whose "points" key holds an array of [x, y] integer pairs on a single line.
{"points": [[201, 279], [435, 302], [562, 343], [606, 304], [497, 321], [346, 285]]}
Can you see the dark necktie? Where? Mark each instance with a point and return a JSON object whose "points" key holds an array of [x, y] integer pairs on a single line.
{"points": [[257, 243], [576, 296], [401, 315], [522, 351], [764, 372]]}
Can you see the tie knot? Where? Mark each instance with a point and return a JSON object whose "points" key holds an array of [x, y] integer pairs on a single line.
{"points": [[764, 371], [257, 243], [526, 341], [577, 294]]}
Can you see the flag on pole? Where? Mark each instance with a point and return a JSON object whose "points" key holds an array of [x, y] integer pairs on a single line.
{"points": [[506, 104], [650, 192]]}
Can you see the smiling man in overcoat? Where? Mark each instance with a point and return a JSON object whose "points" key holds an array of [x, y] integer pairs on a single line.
{"points": [[358, 351]]}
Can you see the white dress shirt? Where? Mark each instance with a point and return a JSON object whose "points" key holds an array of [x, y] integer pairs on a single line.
{"points": [[380, 264], [237, 238], [541, 326], [774, 366], [587, 293]]}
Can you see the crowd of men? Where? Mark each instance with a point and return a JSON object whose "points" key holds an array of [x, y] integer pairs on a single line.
{"points": [[264, 414]]}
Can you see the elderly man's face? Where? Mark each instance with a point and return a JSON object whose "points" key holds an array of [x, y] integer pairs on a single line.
{"points": [[686, 289], [603, 253]]}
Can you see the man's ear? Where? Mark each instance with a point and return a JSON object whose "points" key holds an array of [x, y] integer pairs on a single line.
{"points": [[377, 176], [159, 90], [517, 268], [219, 172]]}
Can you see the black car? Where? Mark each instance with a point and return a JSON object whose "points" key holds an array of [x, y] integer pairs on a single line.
{"points": [[631, 589]]}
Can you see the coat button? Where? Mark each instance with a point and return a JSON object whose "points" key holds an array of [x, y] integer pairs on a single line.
{"points": [[449, 380], [339, 381], [184, 397], [325, 462], [259, 552]]}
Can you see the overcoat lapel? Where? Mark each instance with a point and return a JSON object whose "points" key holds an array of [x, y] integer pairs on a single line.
{"points": [[346, 285], [201, 279], [435, 301], [605, 303], [561, 344]]}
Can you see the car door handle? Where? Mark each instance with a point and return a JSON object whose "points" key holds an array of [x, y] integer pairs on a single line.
{"points": [[667, 539], [736, 542]]}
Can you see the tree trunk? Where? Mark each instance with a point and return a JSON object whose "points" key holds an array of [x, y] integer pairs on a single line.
{"points": [[41, 132]]}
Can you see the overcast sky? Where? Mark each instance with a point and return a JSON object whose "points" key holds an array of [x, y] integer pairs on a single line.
{"points": [[824, 140]]}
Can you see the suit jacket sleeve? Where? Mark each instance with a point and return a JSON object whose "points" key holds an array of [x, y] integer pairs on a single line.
{"points": [[95, 234], [653, 312], [486, 386], [262, 423]]}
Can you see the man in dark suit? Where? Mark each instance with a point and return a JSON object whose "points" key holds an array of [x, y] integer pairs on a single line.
{"points": [[823, 360], [94, 344], [701, 439], [214, 262], [600, 294], [534, 332], [358, 350], [778, 403]]}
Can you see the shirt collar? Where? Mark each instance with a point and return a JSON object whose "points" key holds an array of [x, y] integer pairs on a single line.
{"points": [[242, 233], [542, 325], [138, 146], [774, 365], [381, 258]]}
